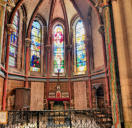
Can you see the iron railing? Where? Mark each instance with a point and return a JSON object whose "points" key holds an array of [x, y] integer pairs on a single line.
{"points": [[59, 119]]}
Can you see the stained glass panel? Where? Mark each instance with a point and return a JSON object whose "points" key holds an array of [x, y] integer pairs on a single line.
{"points": [[36, 35], [80, 48], [12, 61], [12, 51], [14, 42], [58, 36]]}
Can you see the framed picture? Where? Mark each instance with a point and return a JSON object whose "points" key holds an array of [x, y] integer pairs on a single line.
{"points": [[3, 117]]}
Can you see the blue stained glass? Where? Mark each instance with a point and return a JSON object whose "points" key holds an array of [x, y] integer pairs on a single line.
{"points": [[14, 41], [12, 61], [12, 51], [36, 35], [36, 24], [80, 48], [36, 32]]}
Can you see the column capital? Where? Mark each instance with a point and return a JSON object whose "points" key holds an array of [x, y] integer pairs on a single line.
{"points": [[10, 5], [28, 42], [24, 19], [106, 3], [10, 29], [102, 3], [101, 29], [3, 2]]}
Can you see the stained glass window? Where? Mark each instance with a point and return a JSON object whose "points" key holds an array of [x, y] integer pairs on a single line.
{"points": [[58, 36], [36, 36], [80, 49], [14, 42]]}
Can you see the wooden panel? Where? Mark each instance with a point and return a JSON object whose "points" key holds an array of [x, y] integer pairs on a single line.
{"points": [[37, 96], [12, 85], [80, 98], [22, 99]]}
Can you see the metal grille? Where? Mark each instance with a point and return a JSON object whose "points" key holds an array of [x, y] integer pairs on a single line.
{"points": [[58, 119]]}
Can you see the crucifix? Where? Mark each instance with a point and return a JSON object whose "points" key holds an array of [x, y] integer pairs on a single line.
{"points": [[58, 76]]}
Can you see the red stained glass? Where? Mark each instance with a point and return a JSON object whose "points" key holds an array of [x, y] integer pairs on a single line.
{"points": [[58, 37]]}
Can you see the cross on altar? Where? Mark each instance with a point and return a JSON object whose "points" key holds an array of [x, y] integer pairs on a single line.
{"points": [[58, 75]]}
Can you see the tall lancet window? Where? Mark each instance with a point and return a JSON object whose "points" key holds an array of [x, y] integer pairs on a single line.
{"points": [[36, 37], [58, 48], [80, 49], [14, 42]]}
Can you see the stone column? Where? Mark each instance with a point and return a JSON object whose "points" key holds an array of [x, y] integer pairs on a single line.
{"points": [[107, 99], [2, 18], [111, 63], [48, 48], [10, 29], [122, 13], [87, 41], [23, 43], [69, 48], [27, 43]]}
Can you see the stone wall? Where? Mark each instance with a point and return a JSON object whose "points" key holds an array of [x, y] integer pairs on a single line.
{"points": [[97, 43], [37, 96], [80, 97]]}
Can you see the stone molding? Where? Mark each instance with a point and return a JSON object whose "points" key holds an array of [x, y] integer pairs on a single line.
{"points": [[101, 29], [10, 29], [3, 2], [10, 5], [24, 19], [28, 42]]}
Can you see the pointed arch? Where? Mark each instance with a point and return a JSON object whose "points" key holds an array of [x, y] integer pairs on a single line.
{"points": [[18, 4], [80, 61], [58, 48], [36, 38]]}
